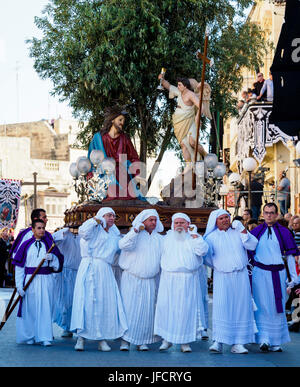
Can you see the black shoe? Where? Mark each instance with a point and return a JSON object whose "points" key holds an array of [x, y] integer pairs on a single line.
{"points": [[264, 347]]}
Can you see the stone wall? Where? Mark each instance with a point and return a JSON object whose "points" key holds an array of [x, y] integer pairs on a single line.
{"points": [[44, 142]]}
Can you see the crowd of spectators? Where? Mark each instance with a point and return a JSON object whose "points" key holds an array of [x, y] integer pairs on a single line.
{"points": [[262, 90]]}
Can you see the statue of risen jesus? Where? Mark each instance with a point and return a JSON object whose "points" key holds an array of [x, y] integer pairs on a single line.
{"points": [[185, 117]]}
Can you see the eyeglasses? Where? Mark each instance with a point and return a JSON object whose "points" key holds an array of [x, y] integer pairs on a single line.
{"points": [[269, 213]]}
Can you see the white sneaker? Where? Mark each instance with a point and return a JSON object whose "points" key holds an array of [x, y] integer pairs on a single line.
{"points": [[103, 346], [165, 345], [124, 345], [275, 348], [67, 334], [239, 348], [46, 343], [216, 347], [30, 342], [143, 347], [186, 348], [80, 344]]}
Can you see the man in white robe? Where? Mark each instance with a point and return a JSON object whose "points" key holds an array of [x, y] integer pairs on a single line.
{"points": [[204, 287], [69, 245], [140, 260], [233, 316], [97, 312], [179, 315], [34, 321], [269, 279]]}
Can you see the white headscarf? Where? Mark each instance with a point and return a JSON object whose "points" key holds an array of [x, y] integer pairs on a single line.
{"points": [[179, 215], [211, 224], [144, 215], [107, 210]]}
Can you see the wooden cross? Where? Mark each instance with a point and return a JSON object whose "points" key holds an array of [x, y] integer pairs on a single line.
{"points": [[205, 61], [35, 184]]}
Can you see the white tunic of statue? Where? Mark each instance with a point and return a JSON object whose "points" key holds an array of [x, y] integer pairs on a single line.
{"points": [[69, 245], [272, 326], [179, 316], [38, 302], [140, 261], [97, 312], [232, 317]]}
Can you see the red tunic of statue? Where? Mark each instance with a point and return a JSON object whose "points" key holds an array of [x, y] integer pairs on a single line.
{"points": [[115, 147]]}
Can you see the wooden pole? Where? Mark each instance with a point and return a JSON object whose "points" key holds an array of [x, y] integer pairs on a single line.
{"points": [[8, 306], [7, 314], [200, 107]]}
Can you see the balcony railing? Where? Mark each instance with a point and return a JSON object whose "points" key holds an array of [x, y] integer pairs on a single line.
{"points": [[255, 132]]}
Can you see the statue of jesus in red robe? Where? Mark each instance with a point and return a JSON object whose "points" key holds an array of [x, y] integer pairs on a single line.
{"points": [[117, 145]]}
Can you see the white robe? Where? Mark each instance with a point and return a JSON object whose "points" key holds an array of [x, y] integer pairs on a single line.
{"points": [[179, 315], [272, 326], [233, 316], [38, 302], [117, 270], [140, 261], [97, 311], [204, 291], [69, 245]]}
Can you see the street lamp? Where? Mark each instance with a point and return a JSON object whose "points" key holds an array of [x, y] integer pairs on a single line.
{"points": [[249, 165], [215, 172], [95, 186], [79, 171], [96, 157], [211, 161], [83, 165]]}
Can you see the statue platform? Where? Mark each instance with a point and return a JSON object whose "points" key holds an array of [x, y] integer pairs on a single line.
{"points": [[127, 210]]}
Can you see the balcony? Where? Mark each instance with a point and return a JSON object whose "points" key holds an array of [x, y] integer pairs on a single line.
{"points": [[255, 133]]}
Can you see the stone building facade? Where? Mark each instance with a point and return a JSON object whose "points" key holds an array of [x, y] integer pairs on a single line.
{"points": [[48, 150]]}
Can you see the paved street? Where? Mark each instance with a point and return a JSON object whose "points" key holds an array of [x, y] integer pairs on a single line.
{"points": [[62, 353]]}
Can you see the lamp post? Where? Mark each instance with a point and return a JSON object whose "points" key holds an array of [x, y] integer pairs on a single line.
{"points": [[96, 187], [79, 171], [249, 165], [96, 157], [215, 173]]}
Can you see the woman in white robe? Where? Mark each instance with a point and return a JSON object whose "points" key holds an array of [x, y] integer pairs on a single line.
{"points": [[179, 316], [69, 245], [140, 260], [98, 312], [233, 316]]}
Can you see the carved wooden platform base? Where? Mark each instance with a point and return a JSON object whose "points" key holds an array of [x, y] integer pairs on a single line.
{"points": [[126, 211]]}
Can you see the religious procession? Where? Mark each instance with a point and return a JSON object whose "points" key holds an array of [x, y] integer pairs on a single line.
{"points": [[171, 219]]}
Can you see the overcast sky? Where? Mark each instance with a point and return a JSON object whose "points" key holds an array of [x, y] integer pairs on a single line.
{"points": [[29, 98]]}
